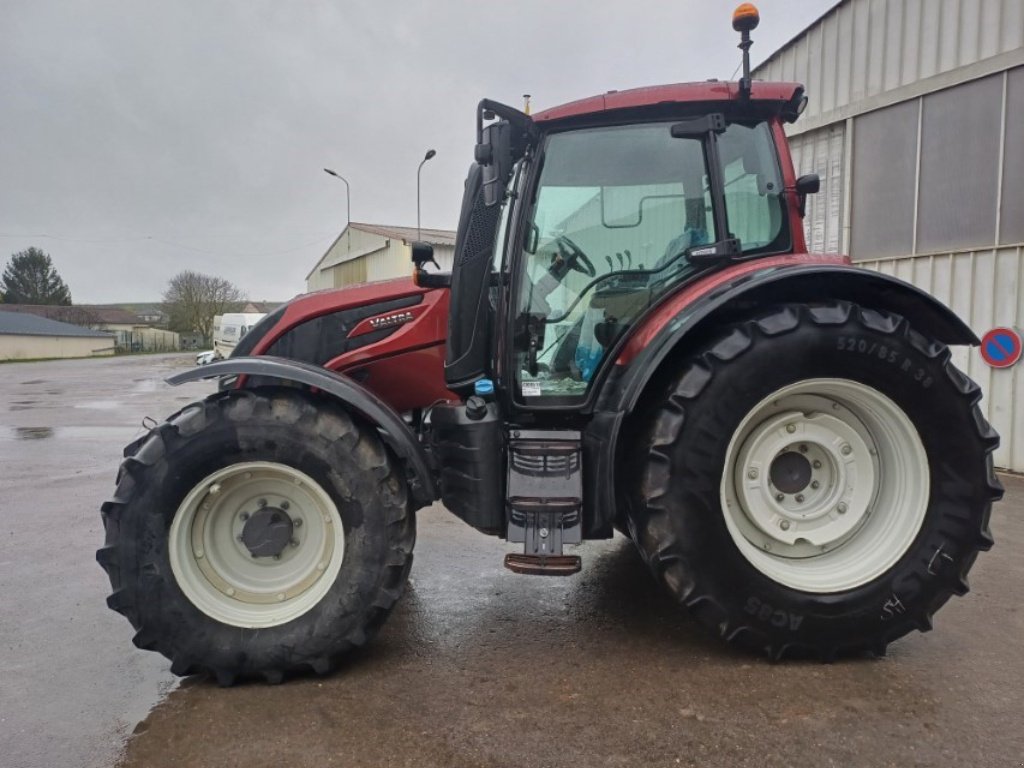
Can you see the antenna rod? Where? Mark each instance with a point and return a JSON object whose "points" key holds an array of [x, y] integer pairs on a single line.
{"points": [[745, 19]]}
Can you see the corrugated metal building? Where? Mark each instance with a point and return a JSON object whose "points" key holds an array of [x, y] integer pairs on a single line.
{"points": [[915, 127], [25, 336], [367, 252]]}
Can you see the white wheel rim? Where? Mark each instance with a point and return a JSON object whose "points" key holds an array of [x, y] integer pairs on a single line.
{"points": [[825, 485], [210, 544]]}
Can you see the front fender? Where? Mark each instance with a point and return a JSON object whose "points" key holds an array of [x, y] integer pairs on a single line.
{"points": [[355, 398]]}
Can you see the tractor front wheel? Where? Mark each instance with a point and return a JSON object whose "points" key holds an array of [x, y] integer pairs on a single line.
{"points": [[257, 533], [817, 481]]}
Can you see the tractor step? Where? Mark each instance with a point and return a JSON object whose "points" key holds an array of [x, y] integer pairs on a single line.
{"points": [[544, 505], [543, 565]]}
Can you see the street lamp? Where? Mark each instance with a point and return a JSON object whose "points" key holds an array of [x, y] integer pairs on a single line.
{"points": [[430, 154], [348, 195]]}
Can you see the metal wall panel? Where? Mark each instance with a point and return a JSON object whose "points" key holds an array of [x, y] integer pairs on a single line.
{"points": [[959, 183], [1011, 214], [821, 152], [986, 288], [884, 168], [864, 48]]}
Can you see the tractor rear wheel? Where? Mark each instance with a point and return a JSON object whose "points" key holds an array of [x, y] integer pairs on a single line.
{"points": [[817, 481], [255, 534]]}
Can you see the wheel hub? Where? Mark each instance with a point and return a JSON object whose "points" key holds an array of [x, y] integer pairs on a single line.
{"points": [[267, 532], [790, 472], [805, 480]]}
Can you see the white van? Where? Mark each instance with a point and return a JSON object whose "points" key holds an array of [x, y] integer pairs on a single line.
{"points": [[231, 329]]}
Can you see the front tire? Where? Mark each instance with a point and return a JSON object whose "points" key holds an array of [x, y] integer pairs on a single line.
{"points": [[817, 481], [257, 533]]}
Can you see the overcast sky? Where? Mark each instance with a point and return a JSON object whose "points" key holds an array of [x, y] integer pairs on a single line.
{"points": [[138, 139]]}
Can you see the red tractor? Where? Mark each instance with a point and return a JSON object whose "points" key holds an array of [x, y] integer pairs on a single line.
{"points": [[634, 338]]}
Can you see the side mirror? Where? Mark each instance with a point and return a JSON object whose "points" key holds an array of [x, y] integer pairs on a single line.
{"points": [[808, 184], [422, 254]]}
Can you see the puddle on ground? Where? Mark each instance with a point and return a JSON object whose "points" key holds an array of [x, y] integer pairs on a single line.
{"points": [[74, 433], [100, 405], [32, 433]]}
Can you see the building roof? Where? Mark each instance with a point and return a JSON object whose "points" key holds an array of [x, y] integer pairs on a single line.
{"points": [[27, 324], [442, 237], [408, 234], [756, 70], [80, 314]]}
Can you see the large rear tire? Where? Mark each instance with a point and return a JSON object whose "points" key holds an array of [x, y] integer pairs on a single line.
{"points": [[817, 481], [256, 534]]}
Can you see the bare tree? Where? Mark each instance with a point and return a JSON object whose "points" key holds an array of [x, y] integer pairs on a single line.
{"points": [[193, 299]]}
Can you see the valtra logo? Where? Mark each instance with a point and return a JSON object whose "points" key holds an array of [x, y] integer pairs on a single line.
{"points": [[387, 321]]}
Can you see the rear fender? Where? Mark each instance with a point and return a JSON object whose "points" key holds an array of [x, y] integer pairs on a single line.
{"points": [[353, 397], [637, 364]]}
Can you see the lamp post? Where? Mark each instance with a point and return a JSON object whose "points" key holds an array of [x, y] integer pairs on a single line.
{"points": [[348, 195], [430, 154]]}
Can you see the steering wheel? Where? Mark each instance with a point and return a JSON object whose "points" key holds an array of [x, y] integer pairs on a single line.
{"points": [[570, 256]]}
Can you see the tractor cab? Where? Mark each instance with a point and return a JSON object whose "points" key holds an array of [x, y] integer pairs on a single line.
{"points": [[579, 220]]}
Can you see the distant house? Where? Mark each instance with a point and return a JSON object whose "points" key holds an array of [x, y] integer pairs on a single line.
{"points": [[26, 336], [130, 330], [367, 252], [152, 316], [260, 307]]}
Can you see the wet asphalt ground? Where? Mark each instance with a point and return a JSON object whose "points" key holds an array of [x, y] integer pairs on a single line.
{"points": [[477, 666]]}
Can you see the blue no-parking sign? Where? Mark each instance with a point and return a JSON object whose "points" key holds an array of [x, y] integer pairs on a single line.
{"points": [[1001, 347]]}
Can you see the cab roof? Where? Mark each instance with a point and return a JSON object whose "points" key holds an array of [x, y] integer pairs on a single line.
{"points": [[767, 94]]}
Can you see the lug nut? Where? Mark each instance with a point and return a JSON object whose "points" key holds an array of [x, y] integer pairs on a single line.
{"points": [[799, 497], [238, 537], [791, 428], [297, 522], [815, 484], [285, 505], [803, 449], [262, 502], [294, 542], [277, 557], [846, 450], [244, 516], [816, 464], [752, 473], [784, 525], [215, 489], [841, 508], [779, 496]]}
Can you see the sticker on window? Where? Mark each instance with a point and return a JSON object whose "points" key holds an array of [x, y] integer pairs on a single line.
{"points": [[531, 389]]}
